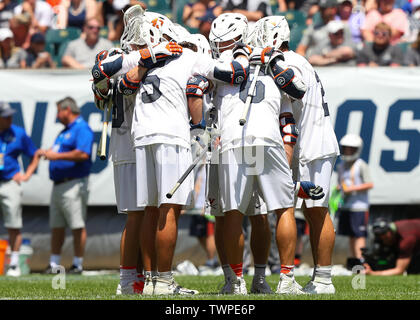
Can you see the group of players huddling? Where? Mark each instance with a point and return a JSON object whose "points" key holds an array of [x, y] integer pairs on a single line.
{"points": [[170, 89]]}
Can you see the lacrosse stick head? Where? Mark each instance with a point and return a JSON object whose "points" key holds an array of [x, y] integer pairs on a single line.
{"points": [[272, 31], [227, 27], [135, 12]]}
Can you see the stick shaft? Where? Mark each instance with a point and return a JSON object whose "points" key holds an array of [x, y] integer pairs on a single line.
{"points": [[104, 136], [248, 100]]}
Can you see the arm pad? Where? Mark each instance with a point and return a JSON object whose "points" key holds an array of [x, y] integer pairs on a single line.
{"points": [[288, 130], [109, 65], [197, 86], [285, 79], [235, 73]]}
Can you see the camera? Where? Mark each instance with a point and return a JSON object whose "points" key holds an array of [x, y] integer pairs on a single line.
{"points": [[379, 256]]}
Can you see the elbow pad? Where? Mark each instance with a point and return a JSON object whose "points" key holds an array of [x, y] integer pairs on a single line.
{"points": [[126, 86], [289, 131], [235, 74], [285, 79], [197, 86], [106, 65]]}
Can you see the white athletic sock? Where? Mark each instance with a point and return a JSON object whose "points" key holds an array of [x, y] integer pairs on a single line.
{"points": [[323, 274], [260, 270], [14, 258], [78, 261], [55, 260], [166, 275], [127, 275]]}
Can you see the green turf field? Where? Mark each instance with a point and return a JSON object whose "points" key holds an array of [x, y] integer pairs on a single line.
{"points": [[103, 288]]}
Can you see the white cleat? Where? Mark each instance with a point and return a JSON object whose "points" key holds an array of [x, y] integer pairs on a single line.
{"points": [[260, 286], [13, 271], [239, 286], [315, 287], [170, 287], [149, 285], [288, 285]]}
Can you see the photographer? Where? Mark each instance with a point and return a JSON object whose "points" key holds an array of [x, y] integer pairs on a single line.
{"points": [[404, 235]]}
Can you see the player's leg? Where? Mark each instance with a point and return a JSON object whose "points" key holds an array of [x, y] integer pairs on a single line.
{"points": [[15, 241], [321, 227], [279, 197], [79, 244], [260, 247], [171, 161], [129, 254]]}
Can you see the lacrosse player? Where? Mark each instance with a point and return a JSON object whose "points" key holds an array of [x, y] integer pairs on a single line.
{"points": [[312, 161], [161, 134], [121, 151], [238, 180]]}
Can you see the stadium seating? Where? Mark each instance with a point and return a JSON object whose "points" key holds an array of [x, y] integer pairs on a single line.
{"points": [[57, 39], [161, 6]]}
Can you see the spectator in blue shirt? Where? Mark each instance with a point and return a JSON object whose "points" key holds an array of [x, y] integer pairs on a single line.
{"points": [[69, 168], [13, 142]]}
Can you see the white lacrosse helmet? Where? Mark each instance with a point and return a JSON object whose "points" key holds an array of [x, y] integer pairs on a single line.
{"points": [[227, 26], [138, 30], [354, 141], [163, 23], [272, 31], [201, 42], [181, 32]]}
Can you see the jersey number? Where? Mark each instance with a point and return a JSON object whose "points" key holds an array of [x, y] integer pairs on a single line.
{"points": [[151, 97], [324, 104], [259, 91]]}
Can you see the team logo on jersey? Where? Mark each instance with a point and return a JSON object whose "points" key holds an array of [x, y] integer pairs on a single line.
{"points": [[280, 81]]}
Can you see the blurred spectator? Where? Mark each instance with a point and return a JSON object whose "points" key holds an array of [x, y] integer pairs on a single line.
{"points": [[13, 142], [74, 13], [317, 34], [20, 25], [252, 10], [35, 56], [70, 163], [194, 10], [413, 22], [6, 13], [9, 54], [337, 51], [353, 19], [40, 12], [81, 53], [354, 181], [404, 237], [205, 23], [394, 17], [380, 52], [412, 57], [110, 15]]}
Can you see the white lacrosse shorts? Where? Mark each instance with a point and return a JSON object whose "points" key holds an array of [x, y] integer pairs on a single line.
{"points": [[125, 187], [158, 168], [271, 178], [319, 172], [213, 203]]}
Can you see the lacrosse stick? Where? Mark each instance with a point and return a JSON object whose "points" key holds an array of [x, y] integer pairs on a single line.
{"points": [[196, 161], [248, 100], [102, 143]]}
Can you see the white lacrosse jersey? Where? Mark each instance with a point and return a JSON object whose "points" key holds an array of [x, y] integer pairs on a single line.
{"points": [[317, 138], [262, 126], [121, 148], [161, 113]]}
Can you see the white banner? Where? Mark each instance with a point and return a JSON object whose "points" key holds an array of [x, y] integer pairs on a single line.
{"points": [[380, 104]]}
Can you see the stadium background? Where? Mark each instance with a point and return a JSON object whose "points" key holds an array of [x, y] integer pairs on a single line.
{"points": [[380, 104]]}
